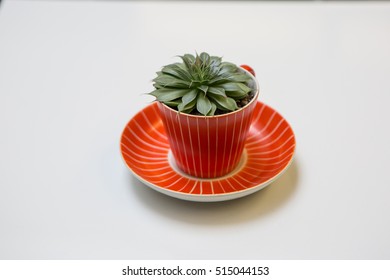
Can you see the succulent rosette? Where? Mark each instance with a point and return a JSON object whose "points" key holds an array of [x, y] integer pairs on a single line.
{"points": [[202, 84]]}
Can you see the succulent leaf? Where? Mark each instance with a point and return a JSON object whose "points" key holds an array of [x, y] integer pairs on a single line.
{"points": [[168, 94], [156, 93], [176, 71], [189, 97], [213, 109], [187, 108], [203, 104], [203, 88], [188, 60], [236, 87], [173, 103], [217, 91], [224, 103]]}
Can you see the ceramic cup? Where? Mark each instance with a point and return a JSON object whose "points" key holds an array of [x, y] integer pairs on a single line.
{"points": [[208, 146]]}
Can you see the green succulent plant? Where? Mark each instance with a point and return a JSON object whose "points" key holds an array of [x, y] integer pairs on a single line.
{"points": [[201, 84]]}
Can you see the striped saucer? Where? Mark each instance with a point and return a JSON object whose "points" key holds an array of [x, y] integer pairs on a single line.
{"points": [[268, 152]]}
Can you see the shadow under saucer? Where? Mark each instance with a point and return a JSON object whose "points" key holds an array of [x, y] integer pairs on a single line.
{"points": [[240, 210]]}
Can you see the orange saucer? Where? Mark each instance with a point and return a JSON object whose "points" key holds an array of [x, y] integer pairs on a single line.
{"points": [[268, 152]]}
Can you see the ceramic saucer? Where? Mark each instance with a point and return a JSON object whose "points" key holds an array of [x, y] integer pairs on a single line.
{"points": [[268, 152]]}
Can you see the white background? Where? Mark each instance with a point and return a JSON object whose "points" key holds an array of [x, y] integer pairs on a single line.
{"points": [[72, 74]]}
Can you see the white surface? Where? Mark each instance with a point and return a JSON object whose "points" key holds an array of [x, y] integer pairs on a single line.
{"points": [[72, 75]]}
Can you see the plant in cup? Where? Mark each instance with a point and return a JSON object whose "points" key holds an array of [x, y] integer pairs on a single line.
{"points": [[206, 106], [202, 84]]}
